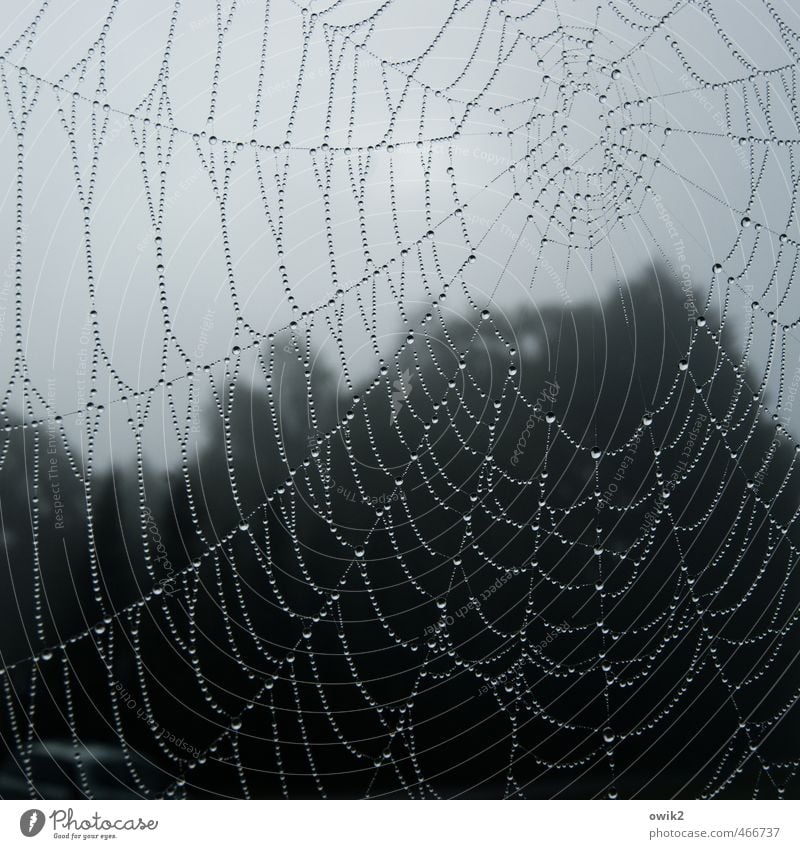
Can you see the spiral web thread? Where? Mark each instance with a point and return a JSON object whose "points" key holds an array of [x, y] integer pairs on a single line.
{"points": [[550, 200]]}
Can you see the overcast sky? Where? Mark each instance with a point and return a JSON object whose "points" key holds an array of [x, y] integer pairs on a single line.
{"points": [[508, 87]]}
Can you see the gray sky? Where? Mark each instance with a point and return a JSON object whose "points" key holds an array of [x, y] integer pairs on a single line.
{"points": [[531, 88]]}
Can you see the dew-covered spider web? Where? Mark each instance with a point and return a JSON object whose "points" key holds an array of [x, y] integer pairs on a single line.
{"points": [[399, 399]]}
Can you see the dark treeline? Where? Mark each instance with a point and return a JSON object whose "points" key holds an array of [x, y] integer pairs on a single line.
{"points": [[304, 500]]}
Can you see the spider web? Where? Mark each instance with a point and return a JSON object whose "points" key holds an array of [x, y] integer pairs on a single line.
{"points": [[532, 534]]}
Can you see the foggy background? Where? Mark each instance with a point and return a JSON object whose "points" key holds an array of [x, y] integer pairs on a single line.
{"points": [[254, 257], [215, 80]]}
